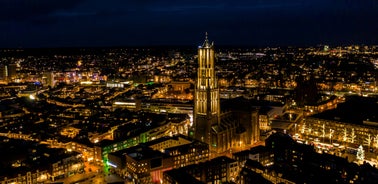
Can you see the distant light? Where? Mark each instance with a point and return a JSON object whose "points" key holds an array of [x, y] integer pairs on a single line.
{"points": [[86, 82], [126, 82], [124, 103], [31, 97], [111, 164]]}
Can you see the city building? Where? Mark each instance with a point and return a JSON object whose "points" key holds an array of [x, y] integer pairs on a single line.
{"points": [[218, 170], [206, 100], [283, 160], [176, 176], [179, 149], [233, 128], [48, 79], [11, 71], [187, 154], [250, 176], [31, 162], [351, 124], [3, 72], [146, 165], [327, 104], [131, 134]]}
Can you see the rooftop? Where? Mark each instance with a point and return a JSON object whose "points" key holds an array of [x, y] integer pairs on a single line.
{"points": [[24, 156], [355, 110], [141, 152]]}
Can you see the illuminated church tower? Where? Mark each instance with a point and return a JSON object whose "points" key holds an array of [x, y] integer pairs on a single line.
{"points": [[206, 104], [236, 126]]}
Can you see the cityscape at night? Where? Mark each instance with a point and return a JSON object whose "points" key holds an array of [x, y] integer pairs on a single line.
{"points": [[188, 92]]}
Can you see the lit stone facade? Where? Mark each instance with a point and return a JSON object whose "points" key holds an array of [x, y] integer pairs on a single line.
{"points": [[206, 104], [234, 128]]}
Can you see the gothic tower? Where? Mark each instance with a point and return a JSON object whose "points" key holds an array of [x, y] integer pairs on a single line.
{"points": [[206, 98]]}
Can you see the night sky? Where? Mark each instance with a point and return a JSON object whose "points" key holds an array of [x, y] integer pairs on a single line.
{"points": [[88, 23]]}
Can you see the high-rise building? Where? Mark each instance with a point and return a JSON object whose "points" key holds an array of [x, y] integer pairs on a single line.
{"points": [[206, 104]]}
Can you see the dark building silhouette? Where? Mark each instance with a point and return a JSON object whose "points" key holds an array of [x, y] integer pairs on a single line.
{"points": [[218, 170], [286, 161], [306, 91]]}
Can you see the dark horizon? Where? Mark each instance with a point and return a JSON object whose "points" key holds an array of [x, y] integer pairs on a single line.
{"points": [[270, 23], [194, 47]]}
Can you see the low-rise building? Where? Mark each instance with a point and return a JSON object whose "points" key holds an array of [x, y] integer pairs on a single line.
{"points": [[187, 154], [30, 162], [146, 165], [176, 151], [218, 170]]}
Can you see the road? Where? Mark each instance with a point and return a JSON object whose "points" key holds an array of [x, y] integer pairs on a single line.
{"points": [[91, 178]]}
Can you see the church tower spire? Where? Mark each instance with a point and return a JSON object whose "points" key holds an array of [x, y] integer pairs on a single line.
{"points": [[206, 43]]}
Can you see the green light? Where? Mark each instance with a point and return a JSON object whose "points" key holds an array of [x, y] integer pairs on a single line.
{"points": [[143, 137], [106, 166]]}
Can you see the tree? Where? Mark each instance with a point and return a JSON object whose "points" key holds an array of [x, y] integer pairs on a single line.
{"points": [[376, 140], [323, 131], [360, 154], [368, 141], [352, 136], [345, 136]]}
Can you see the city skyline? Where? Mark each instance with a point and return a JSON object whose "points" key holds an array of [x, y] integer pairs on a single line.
{"points": [[152, 23], [146, 115]]}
